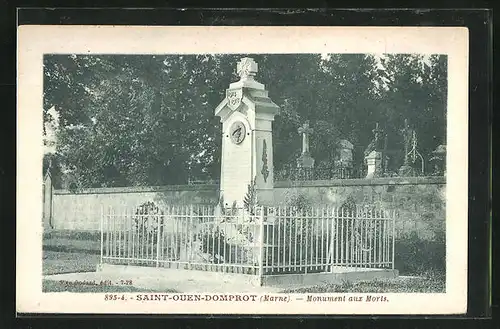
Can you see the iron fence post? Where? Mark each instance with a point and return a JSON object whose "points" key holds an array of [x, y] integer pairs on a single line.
{"points": [[393, 236], [102, 233], [158, 241], [189, 243], [261, 246]]}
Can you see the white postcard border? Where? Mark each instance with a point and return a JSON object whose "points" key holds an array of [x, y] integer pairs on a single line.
{"points": [[35, 41]]}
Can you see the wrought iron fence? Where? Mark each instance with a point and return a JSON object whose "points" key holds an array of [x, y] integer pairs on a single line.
{"points": [[192, 181], [263, 241], [319, 239], [301, 174]]}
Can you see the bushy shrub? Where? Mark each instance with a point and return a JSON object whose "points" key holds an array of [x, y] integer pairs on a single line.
{"points": [[148, 218], [297, 201], [250, 200], [416, 256], [215, 244]]}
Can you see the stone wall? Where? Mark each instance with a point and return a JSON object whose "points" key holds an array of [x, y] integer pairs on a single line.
{"points": [[82, 211], [419, 202]]}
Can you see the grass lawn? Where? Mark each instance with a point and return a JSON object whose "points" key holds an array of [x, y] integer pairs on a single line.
{"points": [[67, 252], [68, 241], [57, 286], [68, 262], [431, 284], [70, 245]]}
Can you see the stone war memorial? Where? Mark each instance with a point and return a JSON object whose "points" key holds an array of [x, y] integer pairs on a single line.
{"points": [[305, 224], [247, 114]]}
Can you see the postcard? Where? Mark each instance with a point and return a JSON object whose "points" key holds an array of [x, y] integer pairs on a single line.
{"points": [[242, 170]]}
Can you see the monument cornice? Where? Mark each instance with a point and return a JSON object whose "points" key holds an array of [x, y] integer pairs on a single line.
{"points": [[263, 105]]}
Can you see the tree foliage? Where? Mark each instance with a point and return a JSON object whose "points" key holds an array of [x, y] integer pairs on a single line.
{"points": [[149, 119]]}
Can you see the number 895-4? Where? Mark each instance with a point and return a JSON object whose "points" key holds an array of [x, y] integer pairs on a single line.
{"points": [[114, 297]]}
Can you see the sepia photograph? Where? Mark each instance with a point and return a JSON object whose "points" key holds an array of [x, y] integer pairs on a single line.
{"points": [[315, 177]]}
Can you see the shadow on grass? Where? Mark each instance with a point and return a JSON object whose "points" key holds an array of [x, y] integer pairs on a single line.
{"points": [[72, 241], [60, 286]]}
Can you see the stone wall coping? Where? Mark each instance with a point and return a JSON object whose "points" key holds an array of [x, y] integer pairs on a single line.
{"points": [[278, 184], [139, 189], [363, 182]]}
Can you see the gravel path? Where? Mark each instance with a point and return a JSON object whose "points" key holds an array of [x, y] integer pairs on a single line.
{"points": [[177, 280]]}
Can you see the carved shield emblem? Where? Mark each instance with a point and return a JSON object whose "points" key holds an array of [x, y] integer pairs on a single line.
{"points": [[234, 98]]}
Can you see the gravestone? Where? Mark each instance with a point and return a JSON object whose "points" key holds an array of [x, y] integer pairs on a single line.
{"points": [[246, 114], [305, 160], [374, 163], [438, 160], [374, 154], [345, 157], [406, 169]]}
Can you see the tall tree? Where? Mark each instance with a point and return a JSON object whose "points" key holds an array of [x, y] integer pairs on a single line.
{"points": [[149, 119], [416, 91], [350, 103]]}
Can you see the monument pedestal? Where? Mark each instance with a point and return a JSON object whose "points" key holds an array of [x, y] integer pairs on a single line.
{"points": [[305, 161], [374, 163]]}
